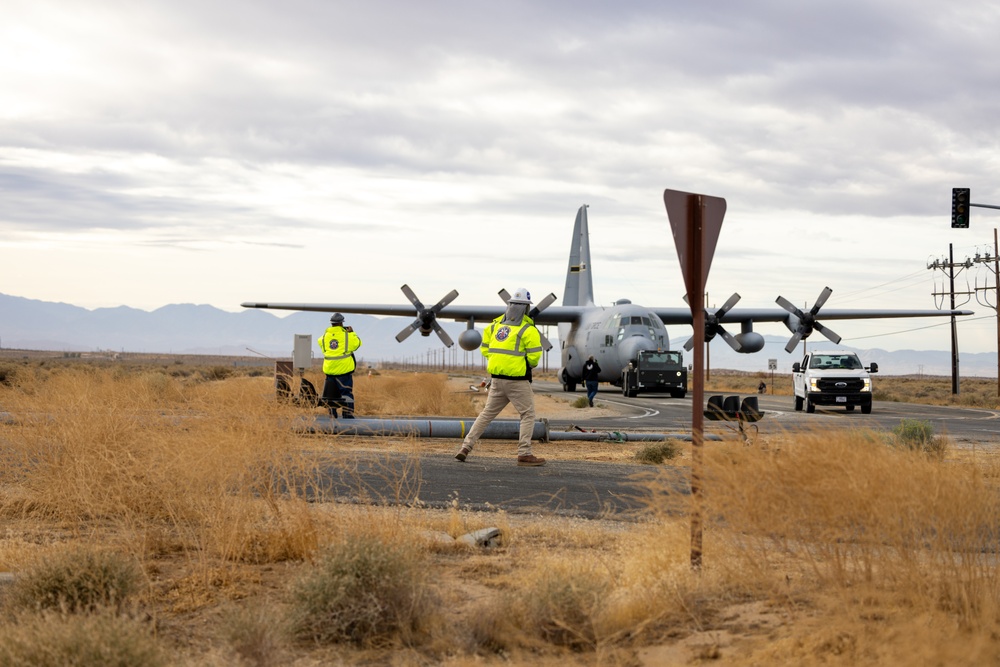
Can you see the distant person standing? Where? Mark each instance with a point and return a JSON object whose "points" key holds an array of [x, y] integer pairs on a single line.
{"points": [[338, 344], [591, 371], [512, 347]]}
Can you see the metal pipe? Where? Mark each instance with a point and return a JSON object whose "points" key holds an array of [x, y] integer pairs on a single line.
{"points": [[618, 436], [503, 429], [498, 429]]}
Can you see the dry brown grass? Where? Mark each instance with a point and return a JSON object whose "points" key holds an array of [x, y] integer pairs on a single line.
{"points": [[822, 548]]}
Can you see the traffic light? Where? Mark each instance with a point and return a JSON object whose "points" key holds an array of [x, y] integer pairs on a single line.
{"points": [[960, 207]]}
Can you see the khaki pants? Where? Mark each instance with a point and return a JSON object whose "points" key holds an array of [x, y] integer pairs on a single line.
{"points": [[516, 392]]}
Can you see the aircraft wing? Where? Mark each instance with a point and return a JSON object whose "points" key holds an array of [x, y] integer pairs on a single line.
{"points": [[736, 316], [457, 313], [551, 315]]}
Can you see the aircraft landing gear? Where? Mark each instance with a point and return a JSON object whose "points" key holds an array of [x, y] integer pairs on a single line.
{"points": [[568, 383]]}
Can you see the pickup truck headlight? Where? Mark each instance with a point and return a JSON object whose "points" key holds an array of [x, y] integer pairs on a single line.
{"points": [[813, 384], [867, 386]]}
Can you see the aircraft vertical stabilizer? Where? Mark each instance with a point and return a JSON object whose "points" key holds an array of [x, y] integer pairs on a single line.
{"points": [[579, 281]]}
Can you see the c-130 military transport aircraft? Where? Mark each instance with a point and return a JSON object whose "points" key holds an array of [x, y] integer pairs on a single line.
{"points": [[614, 335]]}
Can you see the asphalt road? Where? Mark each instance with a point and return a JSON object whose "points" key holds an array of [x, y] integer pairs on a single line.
{"points": [[601, 489], [659, 412]]}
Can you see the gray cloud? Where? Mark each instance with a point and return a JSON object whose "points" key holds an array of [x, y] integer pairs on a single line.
{"points": [[268, 124]]}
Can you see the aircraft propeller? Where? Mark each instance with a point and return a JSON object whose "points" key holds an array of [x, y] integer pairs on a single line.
{"points": [[427, 317], [713, 325], [533, 313], [804, 323]]}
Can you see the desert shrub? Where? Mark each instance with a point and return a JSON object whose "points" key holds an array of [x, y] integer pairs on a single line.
{"points": [[917, 435], [883, 395], [254, 636], [564, 605], [657, 452], [217, 373], [581, 402], [77, 580], [8, 374], [364, 590], [98, 640]]}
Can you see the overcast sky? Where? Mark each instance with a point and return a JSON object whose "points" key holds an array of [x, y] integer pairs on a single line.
{"points": [[218, 152]]}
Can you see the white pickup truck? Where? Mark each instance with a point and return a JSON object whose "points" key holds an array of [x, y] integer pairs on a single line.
{"points": [[832, 378]]}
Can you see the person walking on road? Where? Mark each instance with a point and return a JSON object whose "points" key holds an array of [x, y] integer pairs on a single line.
{"points": [[512, 347], [591, 371], [338, 344]]}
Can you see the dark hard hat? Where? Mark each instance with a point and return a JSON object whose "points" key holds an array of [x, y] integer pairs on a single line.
{"points": [[336, 318]]}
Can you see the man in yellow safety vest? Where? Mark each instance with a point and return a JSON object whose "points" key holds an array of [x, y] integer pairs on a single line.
{"points": [[338, 344], [512, 347]]}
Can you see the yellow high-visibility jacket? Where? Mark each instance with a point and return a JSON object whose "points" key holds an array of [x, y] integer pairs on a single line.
{"points": [[338, 345], [511, 349]]}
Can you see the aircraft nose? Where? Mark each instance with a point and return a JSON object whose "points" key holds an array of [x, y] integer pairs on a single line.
{"points": [[629, 348]]}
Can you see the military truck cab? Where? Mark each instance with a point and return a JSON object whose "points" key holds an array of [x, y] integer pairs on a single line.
{"points": [[655, 370], [832, 378]]}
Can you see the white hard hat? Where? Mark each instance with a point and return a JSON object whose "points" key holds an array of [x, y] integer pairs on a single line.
{"points": [[521, 295]]}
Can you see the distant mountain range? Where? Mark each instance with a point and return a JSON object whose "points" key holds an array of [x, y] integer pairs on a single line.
{"points": [[201, 329]]}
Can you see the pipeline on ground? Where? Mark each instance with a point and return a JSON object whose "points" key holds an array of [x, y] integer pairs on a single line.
{"points": [[498, 429]]}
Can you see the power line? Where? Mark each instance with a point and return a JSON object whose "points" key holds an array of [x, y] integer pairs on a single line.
{"points": [[929, 326], [888, 282]]}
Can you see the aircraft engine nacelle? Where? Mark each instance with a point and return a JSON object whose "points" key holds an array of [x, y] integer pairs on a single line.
{"points": [[750, 342], [470, 340]]}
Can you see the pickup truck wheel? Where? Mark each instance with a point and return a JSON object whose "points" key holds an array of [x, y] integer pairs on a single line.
{"points": [[798, 404], [810, 406], [866, 409]]}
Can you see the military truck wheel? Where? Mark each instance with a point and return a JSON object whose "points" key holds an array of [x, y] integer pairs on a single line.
{"points": [[798, 404], [810, 406], [677, 393]]}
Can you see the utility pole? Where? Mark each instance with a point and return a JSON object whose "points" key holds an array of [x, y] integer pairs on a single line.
{"points": [[954, 326], [992, 263], [949, 267]]}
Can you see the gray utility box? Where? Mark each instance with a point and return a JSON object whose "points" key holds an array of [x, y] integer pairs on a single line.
{"points": [[302, 353]]}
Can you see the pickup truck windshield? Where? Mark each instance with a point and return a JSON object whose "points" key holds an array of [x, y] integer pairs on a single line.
{"points": [[835, 361]]}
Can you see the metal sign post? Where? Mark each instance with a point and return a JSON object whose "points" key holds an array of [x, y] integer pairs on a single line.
{"points": [[696, 221]]}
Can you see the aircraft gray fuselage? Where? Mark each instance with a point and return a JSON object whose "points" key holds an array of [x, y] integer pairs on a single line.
{"points": [[613, 336]]}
